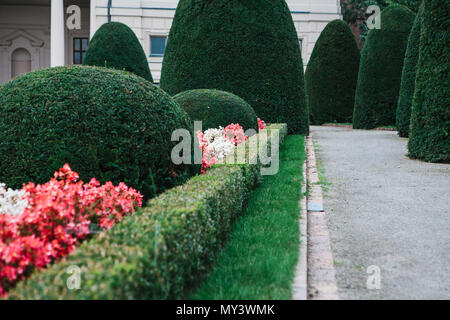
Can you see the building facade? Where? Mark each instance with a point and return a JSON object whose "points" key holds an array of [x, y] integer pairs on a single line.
{"points": [[36, 34]]}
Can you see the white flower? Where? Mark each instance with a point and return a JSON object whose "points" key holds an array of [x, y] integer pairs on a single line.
{"points": [[217, 144], [12, 201]]}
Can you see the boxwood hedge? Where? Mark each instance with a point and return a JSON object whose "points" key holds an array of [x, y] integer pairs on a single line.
{"points": [[408, 79], [217, 108], [116, 46], [163, 250], [332, 73], [430, 116], [108, 124], [380, 69], [249, 48]]}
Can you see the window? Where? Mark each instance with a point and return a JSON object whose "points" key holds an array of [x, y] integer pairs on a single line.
{"points": [[157, 46], [79, 49], [20, 62]]}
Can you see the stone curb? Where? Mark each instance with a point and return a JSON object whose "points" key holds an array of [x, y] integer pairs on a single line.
{"points": [[300, 285], [321, 278]]}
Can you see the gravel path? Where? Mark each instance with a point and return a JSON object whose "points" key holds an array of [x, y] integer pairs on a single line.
{"points": [[385, 210]]}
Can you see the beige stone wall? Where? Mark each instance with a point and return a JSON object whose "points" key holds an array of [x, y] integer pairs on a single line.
{"points": [[145, 17]]}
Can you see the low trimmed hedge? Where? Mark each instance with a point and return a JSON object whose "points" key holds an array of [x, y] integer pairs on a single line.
{"points": [[161, 251]]}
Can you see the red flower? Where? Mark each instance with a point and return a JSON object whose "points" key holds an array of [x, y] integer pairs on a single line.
{"points": [[57, 219]]}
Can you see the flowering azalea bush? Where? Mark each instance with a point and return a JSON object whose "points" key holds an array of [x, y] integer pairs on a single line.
{"points": [[57, 216], [217, 143]]}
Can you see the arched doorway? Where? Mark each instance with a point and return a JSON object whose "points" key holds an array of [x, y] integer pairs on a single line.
{"points": [[20, 62]]}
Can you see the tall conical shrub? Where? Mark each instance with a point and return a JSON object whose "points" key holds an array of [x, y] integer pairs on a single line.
{"points": [[430, 116], [332, 74], [408, 79], [116, 46], [246, 47], [380, 70]]}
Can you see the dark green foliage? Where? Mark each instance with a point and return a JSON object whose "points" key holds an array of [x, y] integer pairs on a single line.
{"points": [[217, 108], [430, 115], [408, 79], [108, 124], [246, 47], [115, 45], [413, 5], [381, 69], [160, 252], [332, 74]]}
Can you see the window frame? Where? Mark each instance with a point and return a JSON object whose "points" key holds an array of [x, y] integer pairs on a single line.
{"points": [[153, 55], [80, 51]]}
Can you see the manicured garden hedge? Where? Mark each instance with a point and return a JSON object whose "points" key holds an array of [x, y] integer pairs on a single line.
{"points": [[217, 108], [380, 69], [108, 124], [116, 46], [163, 250], [430, 116], [408, 79], [332, 74], [248, 48]]}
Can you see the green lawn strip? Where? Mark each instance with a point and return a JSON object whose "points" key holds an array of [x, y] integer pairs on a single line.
{"points": [[259, 260]]}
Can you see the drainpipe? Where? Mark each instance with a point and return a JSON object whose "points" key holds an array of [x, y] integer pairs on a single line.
{"points": [[109, 10]]}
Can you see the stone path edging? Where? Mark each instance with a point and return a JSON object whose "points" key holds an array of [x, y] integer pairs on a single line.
{"points": [[315, 277], [321, 275]]}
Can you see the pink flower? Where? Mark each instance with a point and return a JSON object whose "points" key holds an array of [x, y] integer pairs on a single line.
{"points": [[235, 133]]}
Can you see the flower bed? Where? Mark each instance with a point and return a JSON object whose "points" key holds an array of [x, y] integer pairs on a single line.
{"points": [[43, 223], [161, 251], [216, 144]]}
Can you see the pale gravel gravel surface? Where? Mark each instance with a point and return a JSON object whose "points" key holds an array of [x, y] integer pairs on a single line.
{"points": [[385, 210]]}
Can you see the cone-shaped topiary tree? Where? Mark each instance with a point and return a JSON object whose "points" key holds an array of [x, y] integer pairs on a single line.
{"points": [[332, 74], [217, 108], [246, 47], [116, 46], [107, 124], [380, 69], [430, 116], [408, 79]]}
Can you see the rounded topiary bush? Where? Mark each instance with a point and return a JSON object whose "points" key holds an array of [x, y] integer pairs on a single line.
{"points": [[407, 86], [249, 48], [380, 69], [116, 46], [217, 108], [430, 116], [107, 124], [332, 73]]}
